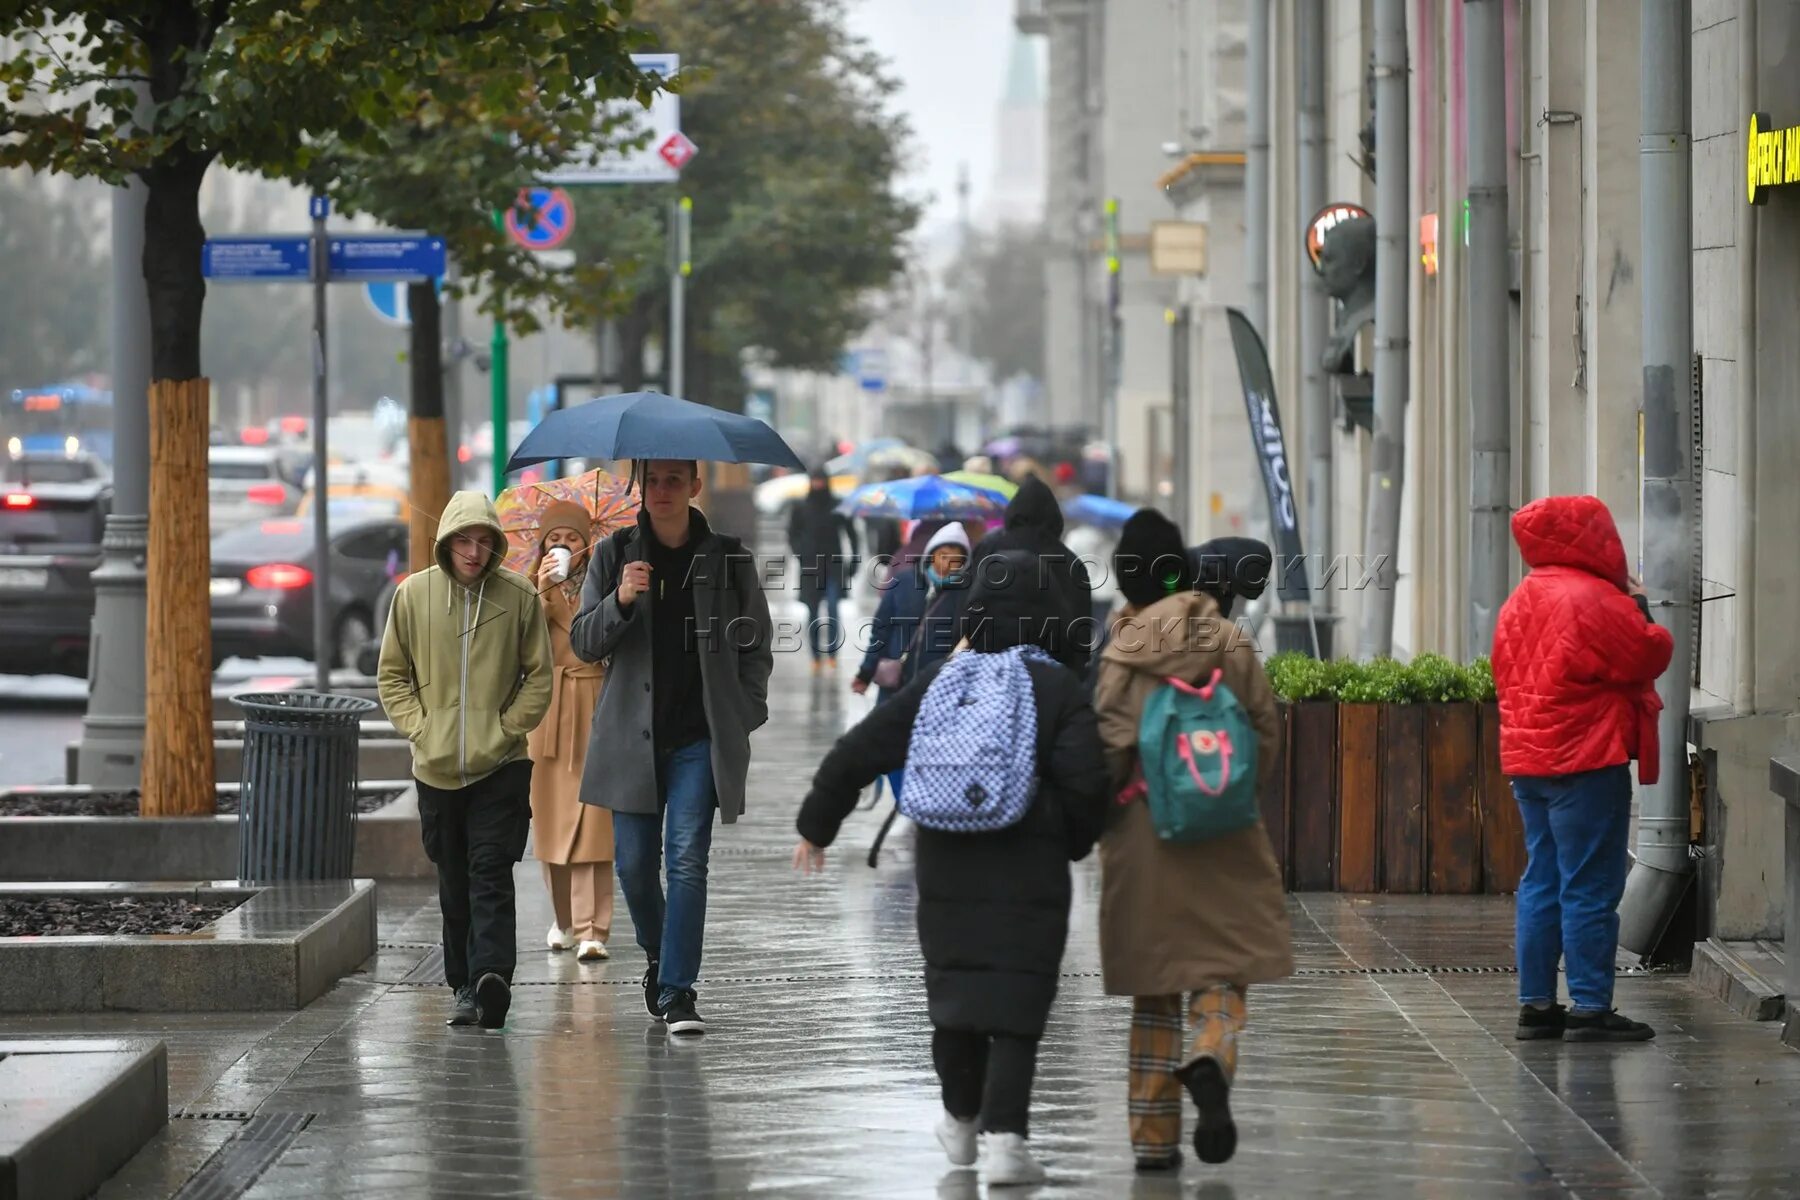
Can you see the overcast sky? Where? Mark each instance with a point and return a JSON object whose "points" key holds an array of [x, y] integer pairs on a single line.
{"points": [[950, 57]]}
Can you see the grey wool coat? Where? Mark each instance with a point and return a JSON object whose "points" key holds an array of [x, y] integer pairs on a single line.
{"points": [[734, 642]]}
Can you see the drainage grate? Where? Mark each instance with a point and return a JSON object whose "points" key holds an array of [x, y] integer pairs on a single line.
{"points": [[406, 945], [913, 976], [241, 1161], [210, 1116]]}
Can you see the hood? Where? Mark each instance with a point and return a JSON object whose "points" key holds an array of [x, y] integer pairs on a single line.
{"points": [[1007, 608], [469, 510], [1571, 531], [952, 534], [1035, 508], [1173, 638]]}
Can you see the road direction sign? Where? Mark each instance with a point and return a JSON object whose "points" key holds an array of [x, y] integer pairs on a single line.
{"points": [[677, 150], [871, 370], [363, 257], [548, 220], [255, 259], [389, 300], [647, 129]]}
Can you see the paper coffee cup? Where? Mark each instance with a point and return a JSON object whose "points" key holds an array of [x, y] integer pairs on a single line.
{"points": [[560, 558]]}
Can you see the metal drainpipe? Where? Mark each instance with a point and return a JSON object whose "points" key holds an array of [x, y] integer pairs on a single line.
{"points": [[1744, 696], [1663, 870]]}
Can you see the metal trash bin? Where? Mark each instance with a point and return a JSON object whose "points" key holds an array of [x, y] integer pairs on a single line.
{"points": [[1294, 632], [297, 808]]}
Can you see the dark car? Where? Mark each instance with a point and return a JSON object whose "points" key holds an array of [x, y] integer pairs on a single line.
{"points": [[263, 586], [50, 530]]}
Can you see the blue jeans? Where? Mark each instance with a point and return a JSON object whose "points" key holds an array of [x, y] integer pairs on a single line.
{"points": [[826, 633], [1576, 838], [671, 934]]}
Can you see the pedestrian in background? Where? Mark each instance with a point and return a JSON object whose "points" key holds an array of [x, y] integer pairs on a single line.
{"points": [[993, 913], [817, 536], [1185, 927], [1034, 524], [574, 841], [1576, 659], [680, 613], [465, 676]]}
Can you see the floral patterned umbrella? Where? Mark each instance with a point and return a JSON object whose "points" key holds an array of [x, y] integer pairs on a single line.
{"points": [[611, 501]]}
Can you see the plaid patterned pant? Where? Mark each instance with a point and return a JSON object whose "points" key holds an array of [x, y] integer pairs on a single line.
{"points": [[1159, 1047]]}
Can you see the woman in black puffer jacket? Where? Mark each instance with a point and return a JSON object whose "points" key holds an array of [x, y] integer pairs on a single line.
{"points": [[993, 907]]}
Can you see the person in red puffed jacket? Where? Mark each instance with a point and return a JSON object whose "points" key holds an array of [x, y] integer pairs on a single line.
{"points": [[1576, 659]]}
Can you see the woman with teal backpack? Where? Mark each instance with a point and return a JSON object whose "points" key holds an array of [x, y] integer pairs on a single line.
{"points": [[1192, 911]]}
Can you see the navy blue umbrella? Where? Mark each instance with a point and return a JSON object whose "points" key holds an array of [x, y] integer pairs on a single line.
{"points": [[639, 425]]}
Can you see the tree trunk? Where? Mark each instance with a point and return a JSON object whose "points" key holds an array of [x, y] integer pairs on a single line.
{"points": [[633, 331], [427, 447], [178, 737], [178, 741]]}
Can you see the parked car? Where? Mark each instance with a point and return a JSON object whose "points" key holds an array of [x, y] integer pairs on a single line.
{"points": [[50, 534], [25, 470], [250, 483], [263, 587]]}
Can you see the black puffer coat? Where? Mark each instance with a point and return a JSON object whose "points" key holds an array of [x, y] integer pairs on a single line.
{"points": [[1034, 524], [817, 535], [993, 908]]}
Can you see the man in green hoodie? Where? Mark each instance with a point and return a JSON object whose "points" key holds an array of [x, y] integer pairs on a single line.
{"points": [[465, 675]]}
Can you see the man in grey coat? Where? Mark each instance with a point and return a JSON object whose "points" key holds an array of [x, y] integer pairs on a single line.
{"points": [[680, 613]]}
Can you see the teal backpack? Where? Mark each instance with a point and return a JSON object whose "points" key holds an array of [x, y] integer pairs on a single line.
{"points": [[1198, 752]]}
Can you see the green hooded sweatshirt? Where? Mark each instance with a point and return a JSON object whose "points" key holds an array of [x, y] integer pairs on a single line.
{"points": [[465, 671]]}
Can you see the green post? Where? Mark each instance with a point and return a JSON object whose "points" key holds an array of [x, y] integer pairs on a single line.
{"points": [[501, 413], [500, 408]]}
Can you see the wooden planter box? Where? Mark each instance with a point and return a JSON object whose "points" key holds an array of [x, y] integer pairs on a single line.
{"points": [[1404, 798]]}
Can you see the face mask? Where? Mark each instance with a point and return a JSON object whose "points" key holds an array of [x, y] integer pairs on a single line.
{"points": [[937, 580]]}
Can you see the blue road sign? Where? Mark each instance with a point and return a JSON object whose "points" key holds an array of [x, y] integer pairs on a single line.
{"points": [[871, 370], [388, 299], [319, 208], [554, 221], [256, 258], [364, 257]]}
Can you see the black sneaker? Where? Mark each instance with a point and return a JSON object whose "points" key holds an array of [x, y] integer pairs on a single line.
{"points": [[1606, 1026], [492, 997], [1537, 1024], [653, 991], [465, 1012], [1215, 1136], [1156, 1166], [682, 1016]]}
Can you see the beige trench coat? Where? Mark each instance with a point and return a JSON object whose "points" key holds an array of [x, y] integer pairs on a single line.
{"points": [[564, 830], [1179, 918]]}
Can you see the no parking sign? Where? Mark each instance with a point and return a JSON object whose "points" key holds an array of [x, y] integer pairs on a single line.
{"points": [[543, 218]]}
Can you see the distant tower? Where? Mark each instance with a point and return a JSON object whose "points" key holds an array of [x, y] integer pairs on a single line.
{"points": [[1017, 192]]}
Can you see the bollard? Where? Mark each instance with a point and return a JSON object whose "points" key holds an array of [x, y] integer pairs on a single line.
{"points": [[297, 809]]}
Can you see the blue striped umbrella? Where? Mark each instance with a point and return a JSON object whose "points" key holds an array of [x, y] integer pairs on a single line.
{"points": [[924, 496]]}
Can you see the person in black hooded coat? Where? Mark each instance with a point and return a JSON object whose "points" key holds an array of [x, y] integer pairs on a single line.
{"points": [[1034, 525], [994, 907], [817, 535]]}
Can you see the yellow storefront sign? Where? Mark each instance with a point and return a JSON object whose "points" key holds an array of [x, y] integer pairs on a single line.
{"points": [[1772, 157]]}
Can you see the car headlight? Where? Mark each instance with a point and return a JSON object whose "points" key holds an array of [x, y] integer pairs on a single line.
{"points": [[15, 447], [71, 445]]}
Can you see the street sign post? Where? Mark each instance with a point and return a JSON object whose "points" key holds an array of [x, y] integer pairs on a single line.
{"points": [[385, 263]]}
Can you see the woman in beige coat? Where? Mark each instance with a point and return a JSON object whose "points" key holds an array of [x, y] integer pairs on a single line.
{"points": [[1199, 921], [574, 841]]}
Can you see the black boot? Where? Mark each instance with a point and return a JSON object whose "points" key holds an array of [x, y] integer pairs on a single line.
{"points": [[1540, 1023], [493, 997], [1606, 1026], [1215, 1136]]}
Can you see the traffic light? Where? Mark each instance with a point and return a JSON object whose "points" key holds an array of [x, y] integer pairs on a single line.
{"points": [[1346, 261]]}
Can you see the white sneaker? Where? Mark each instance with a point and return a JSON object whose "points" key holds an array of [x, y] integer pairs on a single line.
{"points": [[558, 938], [1008, 1162], [592, 952], [958, 1140]]}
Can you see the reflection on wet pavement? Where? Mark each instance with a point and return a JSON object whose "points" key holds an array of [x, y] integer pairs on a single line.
{"points": [[1365, 1075]]}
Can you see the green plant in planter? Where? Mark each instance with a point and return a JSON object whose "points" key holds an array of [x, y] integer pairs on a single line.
{"points": [[1296, 677], [1437, 680], [1478, 680], [1381, 681]]}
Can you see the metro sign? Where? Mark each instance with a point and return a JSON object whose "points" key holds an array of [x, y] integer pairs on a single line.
{"points": [[677, 150]]}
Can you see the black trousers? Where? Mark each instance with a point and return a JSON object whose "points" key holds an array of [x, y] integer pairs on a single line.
{"points": [[986, 1076], [474, 835]]}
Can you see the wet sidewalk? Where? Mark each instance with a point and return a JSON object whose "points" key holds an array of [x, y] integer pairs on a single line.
{"points": [[1384, 1068]]}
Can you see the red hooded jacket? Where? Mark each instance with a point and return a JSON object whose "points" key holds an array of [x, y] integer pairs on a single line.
{"points": [[1575, 660]]}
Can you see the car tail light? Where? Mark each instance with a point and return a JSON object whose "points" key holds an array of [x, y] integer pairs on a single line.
{"points": [[277, 577], [255, 435], [293, 424], [464, 454], [266, 493], [20, 500]]}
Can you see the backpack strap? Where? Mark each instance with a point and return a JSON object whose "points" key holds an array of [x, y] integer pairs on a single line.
{"points": [[1204, 691]]}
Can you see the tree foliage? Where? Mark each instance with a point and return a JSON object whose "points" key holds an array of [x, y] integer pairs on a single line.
{"points": [[1000, 294], [278, 88], [797, 219]]}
